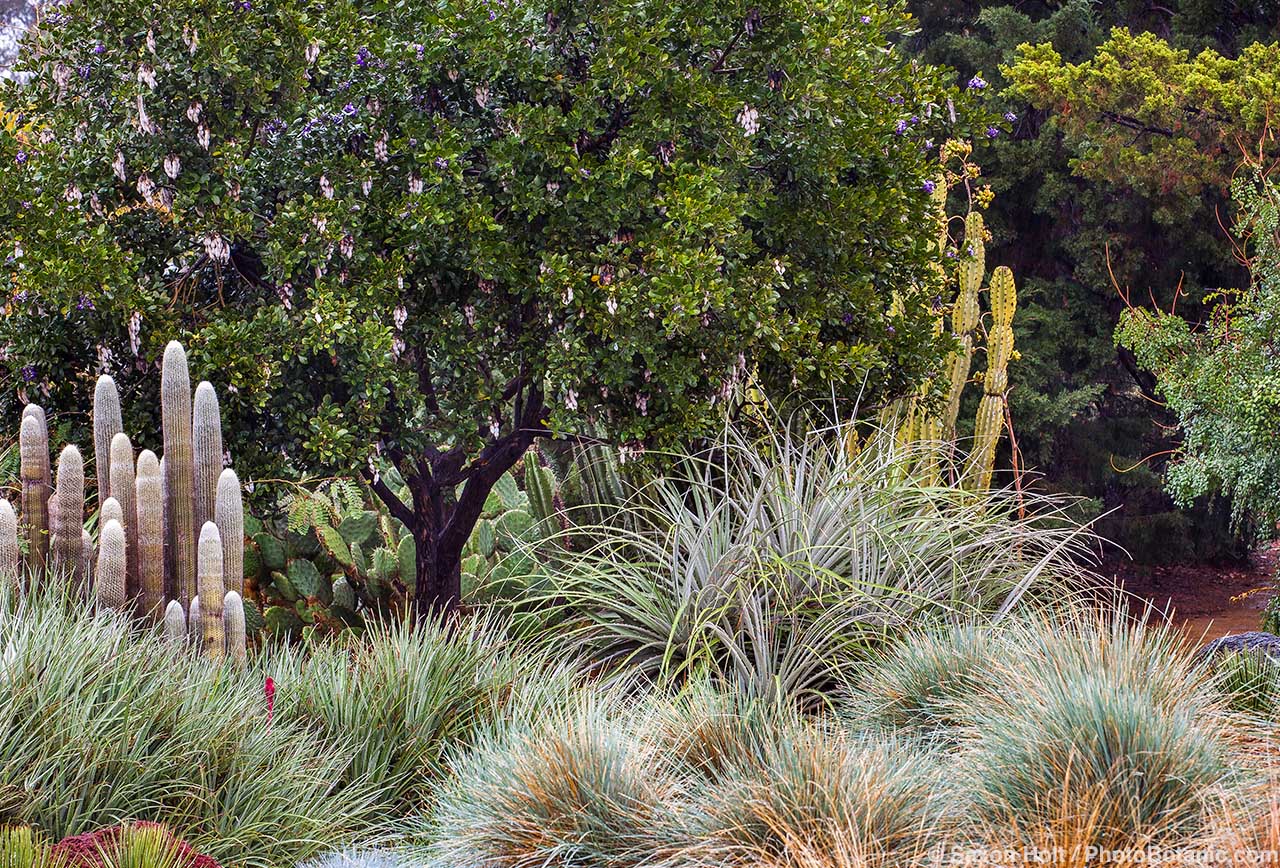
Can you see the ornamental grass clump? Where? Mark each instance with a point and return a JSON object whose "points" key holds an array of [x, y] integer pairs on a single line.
{"points": [[776, 562], [1097, 732], [570, 785], [820, 795], [925, 682], [100, 721], [405, 694]]}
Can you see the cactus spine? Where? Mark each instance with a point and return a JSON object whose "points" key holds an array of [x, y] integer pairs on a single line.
{"points": [[123, 489], [33, 441], [106, 425], [229, 517], [213, 640], [10, 553], [990, 421], [68, 515], [150, 534], [206, 432], [175, 624], [175, 398], [233, 626], [112, 564]]}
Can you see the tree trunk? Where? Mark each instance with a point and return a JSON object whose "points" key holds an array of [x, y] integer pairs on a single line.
{"points": [[439, 587]]}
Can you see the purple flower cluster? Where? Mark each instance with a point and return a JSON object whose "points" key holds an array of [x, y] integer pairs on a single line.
{"points": [[900, 128], [363, 57], [20, 157], [84, 303], [992, 133], [1010, 117], [928, 186], [99, 49], [29, 374], [977, 83], [865, 19]]}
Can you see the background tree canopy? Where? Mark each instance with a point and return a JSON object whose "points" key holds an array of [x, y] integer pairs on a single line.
{"points": [[436, 232], [1073, 227]]}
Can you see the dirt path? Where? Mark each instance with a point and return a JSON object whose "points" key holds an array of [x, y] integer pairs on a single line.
{"points": [[1206, 600]]}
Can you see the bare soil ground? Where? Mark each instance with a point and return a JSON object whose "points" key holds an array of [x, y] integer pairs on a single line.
{"points": [[1205, 600]]}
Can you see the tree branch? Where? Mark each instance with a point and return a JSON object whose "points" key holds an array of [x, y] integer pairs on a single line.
{"points": [[394, 504]]}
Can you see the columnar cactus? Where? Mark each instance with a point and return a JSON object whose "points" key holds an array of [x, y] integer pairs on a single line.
{"points": [[150, 534], [33, 442], [175, 624], [87, 556], [10, 553], [206, 428], [109, 586], [68, 515], [123, 489], [213, 640], [965, 315], [175, 398], [194, 626], [229, 517], [233, 627], [169, 592], [990, 421], [110, 511], [106, 425]]}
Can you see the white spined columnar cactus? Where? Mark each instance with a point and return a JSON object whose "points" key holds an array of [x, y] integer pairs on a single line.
{"points": [[110, 511], [233, 627], [109, 587], [10, 553], [213, 640], [67, 549], [206, 434], [87, 556], [179, 469], [150, 505], [229, 517], [107, 424], [33, 449], [175, 624], [124, 490]]}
